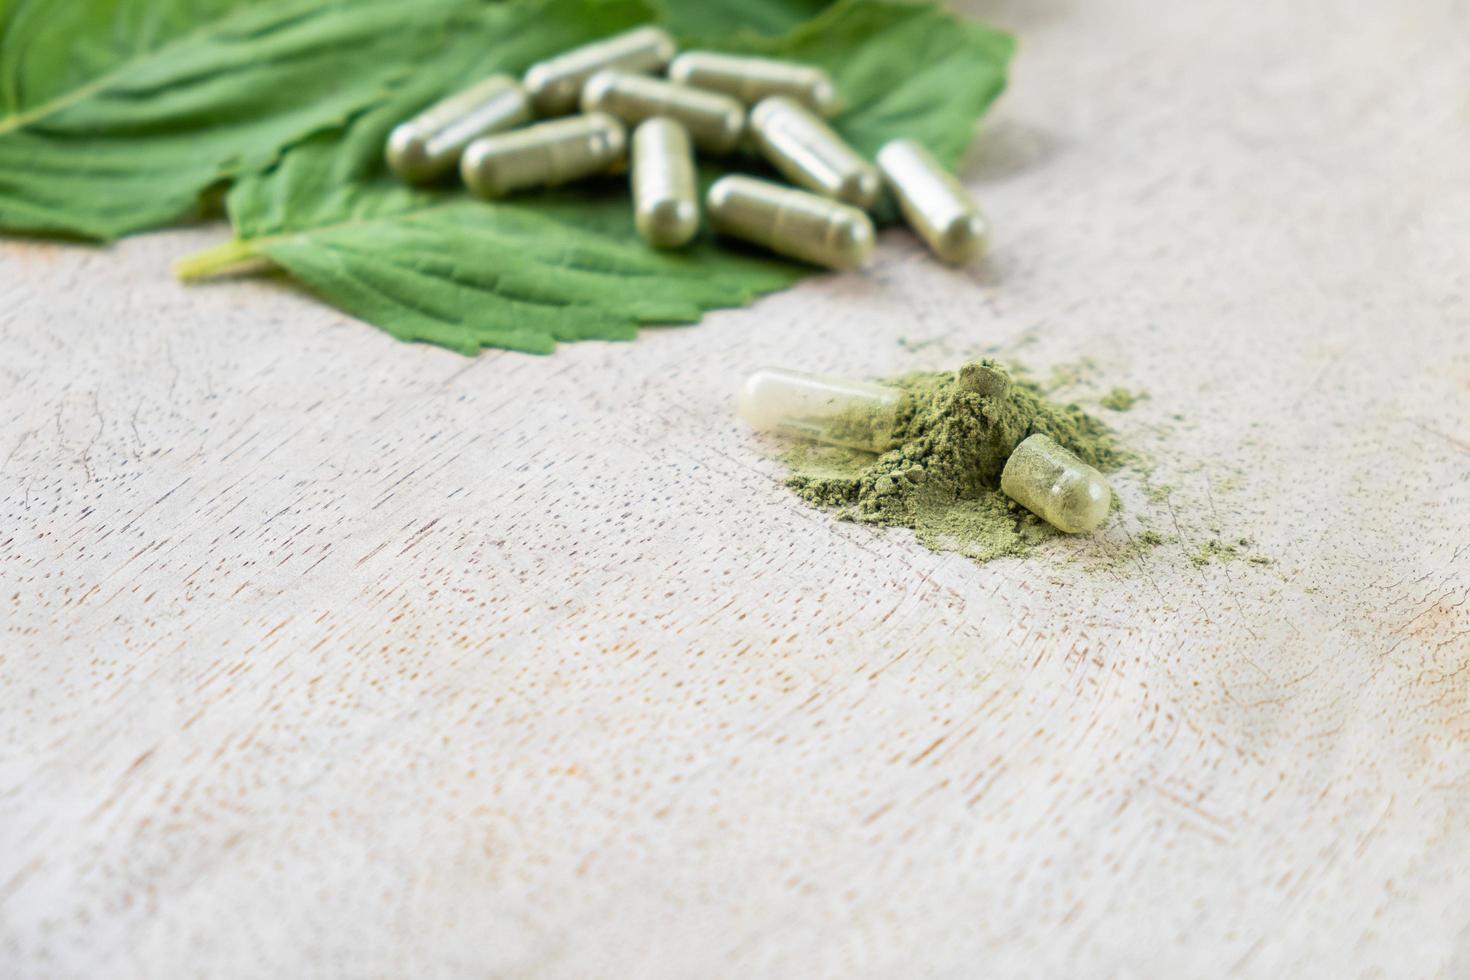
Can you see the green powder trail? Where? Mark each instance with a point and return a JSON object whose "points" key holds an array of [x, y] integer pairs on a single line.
{"points": [[953, 437]]}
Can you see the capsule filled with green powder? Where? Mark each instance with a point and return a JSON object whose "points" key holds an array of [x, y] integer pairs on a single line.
{"points": [[555, 84], [752, 79], [804, 226], [545, 155], [821, 408], [1056, 486], [715, 122], [810, 154], [429, 145], [933, 202], [665, 195]]}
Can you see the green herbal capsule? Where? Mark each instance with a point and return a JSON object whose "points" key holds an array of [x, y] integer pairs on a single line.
{"points": [[1056, 486], [555, 84], [429, 145], [821, 408], [665, 195], [753, 79], [545, 155], [792, 222], [715, 122], [809, 153], [934, 203]]}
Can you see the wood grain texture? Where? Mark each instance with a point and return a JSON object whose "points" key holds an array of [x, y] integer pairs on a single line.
{"points": [[322, 655]]}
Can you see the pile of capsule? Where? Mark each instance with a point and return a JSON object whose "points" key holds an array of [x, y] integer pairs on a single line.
{"points": [[717, 104]]}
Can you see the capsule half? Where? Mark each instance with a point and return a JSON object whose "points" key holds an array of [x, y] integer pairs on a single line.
{"points": [[665, 194], [804, 226], [429, 145], [807, 152], [934, 203], [752, 79], [715, 122], [555, 84], [822, 408], [545, 155], [1056, 486]]}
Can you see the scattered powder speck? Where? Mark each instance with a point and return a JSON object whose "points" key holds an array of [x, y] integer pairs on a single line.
{"points": [[1121, 399], [1158, 493], [1070, 375], [1213, 549], [914, 346]]}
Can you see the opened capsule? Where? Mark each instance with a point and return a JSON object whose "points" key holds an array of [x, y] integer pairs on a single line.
{"points": [[545, 155], [715, 122], [665, 195], [804, 226], [555, 84], [752, 79], [1056, 486], [822, 408], [429, 145], [934, 203], [807, 152]]}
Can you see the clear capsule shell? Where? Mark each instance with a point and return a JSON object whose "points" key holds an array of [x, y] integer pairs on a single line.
{"points": [[544, 155], [430, 144], [556, 83], [752, 79], [933, 202], [715, 122], [1056, 486], [665, 192], [804, 226], [810, 154], [821, 408]]}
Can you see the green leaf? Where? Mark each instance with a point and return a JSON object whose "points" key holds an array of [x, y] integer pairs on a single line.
{"points": [[704, 24], [439, 266], [117, 116]]}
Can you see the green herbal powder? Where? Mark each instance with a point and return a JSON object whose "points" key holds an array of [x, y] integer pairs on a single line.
{"points": [[953, 435]]}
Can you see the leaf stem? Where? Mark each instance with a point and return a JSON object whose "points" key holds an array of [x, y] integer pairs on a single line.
{"points": [[238, 251], [213, 261]]}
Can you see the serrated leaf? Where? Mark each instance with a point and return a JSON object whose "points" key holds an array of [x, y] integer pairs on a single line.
{"points": [[441, 267], [117, 116]]}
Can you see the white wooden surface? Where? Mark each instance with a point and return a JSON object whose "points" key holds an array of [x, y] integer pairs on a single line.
{"points": [[327, 656]]}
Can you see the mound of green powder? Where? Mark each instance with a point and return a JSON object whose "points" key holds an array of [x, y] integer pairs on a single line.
{"points": [[954, 434]]}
